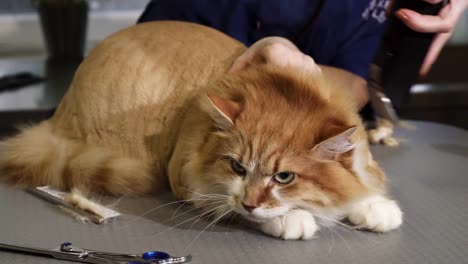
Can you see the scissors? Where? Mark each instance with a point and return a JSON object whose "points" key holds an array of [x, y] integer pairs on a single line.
{"points": [[68, 252]]}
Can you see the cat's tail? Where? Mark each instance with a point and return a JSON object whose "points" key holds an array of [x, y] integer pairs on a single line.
{"points": [[37, 156]]}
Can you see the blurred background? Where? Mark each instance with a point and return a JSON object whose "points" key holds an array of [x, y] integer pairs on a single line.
{"points": [[45, 71]]}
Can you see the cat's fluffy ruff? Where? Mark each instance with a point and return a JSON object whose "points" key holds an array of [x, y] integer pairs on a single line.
{"points": [[157, 97], [279, 138]]}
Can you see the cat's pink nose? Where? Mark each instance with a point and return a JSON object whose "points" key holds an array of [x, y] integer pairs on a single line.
{"points": [[249, 208]]}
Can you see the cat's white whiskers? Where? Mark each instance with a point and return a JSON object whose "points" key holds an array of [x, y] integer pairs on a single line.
{"points": [[352, 228], [207, 216], [337, 222], [174, 215], [332, 242], [212, 223], [221, 219], [323, 235], [233, 216], [190, 210], [185, 221], [218, 199], [211, 194], [333, 239], [138, 217], [212, 212], [330, 247], [193, 209], [342, 238]]}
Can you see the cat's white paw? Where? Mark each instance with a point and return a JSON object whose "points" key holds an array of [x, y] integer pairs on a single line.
{"points": [[295, 224], [377, 213]]}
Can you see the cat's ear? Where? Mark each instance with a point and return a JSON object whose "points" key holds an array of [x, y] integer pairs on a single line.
{"points": [[275, 51], [224, 111], [333, 147]]}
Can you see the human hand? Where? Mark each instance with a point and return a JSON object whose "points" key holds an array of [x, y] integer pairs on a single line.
{"points": [[255, 53], [442, 24], [281, 52]]}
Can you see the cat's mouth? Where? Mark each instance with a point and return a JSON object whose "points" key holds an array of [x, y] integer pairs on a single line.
{"points": [[261, 215]]}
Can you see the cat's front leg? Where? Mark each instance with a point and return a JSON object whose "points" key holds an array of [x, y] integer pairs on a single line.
{"points": [[376, 213], [295, 224]]}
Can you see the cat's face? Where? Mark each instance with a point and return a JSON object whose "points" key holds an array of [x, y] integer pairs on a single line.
{"points": [[285, 148], [265, 178]]}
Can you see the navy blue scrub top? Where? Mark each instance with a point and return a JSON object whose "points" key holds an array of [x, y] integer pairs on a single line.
{"points": [[344, 34]]}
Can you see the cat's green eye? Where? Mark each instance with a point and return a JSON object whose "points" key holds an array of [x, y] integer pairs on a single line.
{"points": [[284, 177], [238, 168]]}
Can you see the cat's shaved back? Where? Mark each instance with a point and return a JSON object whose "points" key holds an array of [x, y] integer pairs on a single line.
{"points": [[121, 114]]}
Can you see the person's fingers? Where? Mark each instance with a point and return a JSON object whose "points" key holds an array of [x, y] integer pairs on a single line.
{"points": [[444, 22], [434, 51], [241, 62]]}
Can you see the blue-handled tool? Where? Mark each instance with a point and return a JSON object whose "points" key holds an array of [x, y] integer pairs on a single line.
{"points": [[67, 251]]}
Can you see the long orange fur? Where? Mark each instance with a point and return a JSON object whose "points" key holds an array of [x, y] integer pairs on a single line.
{"points": [[138, 116]]}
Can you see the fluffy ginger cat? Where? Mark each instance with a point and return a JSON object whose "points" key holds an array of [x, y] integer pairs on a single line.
{"points": [[266, 128]]}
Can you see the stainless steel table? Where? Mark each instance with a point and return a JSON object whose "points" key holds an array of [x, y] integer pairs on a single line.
{"points": [[428, 174]]}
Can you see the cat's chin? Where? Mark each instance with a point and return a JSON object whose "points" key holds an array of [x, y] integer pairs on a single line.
{"points": [[259, 218], [262, 215]]}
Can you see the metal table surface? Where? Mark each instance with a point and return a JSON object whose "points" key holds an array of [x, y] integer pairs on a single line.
{"points": [[427, 174]]}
